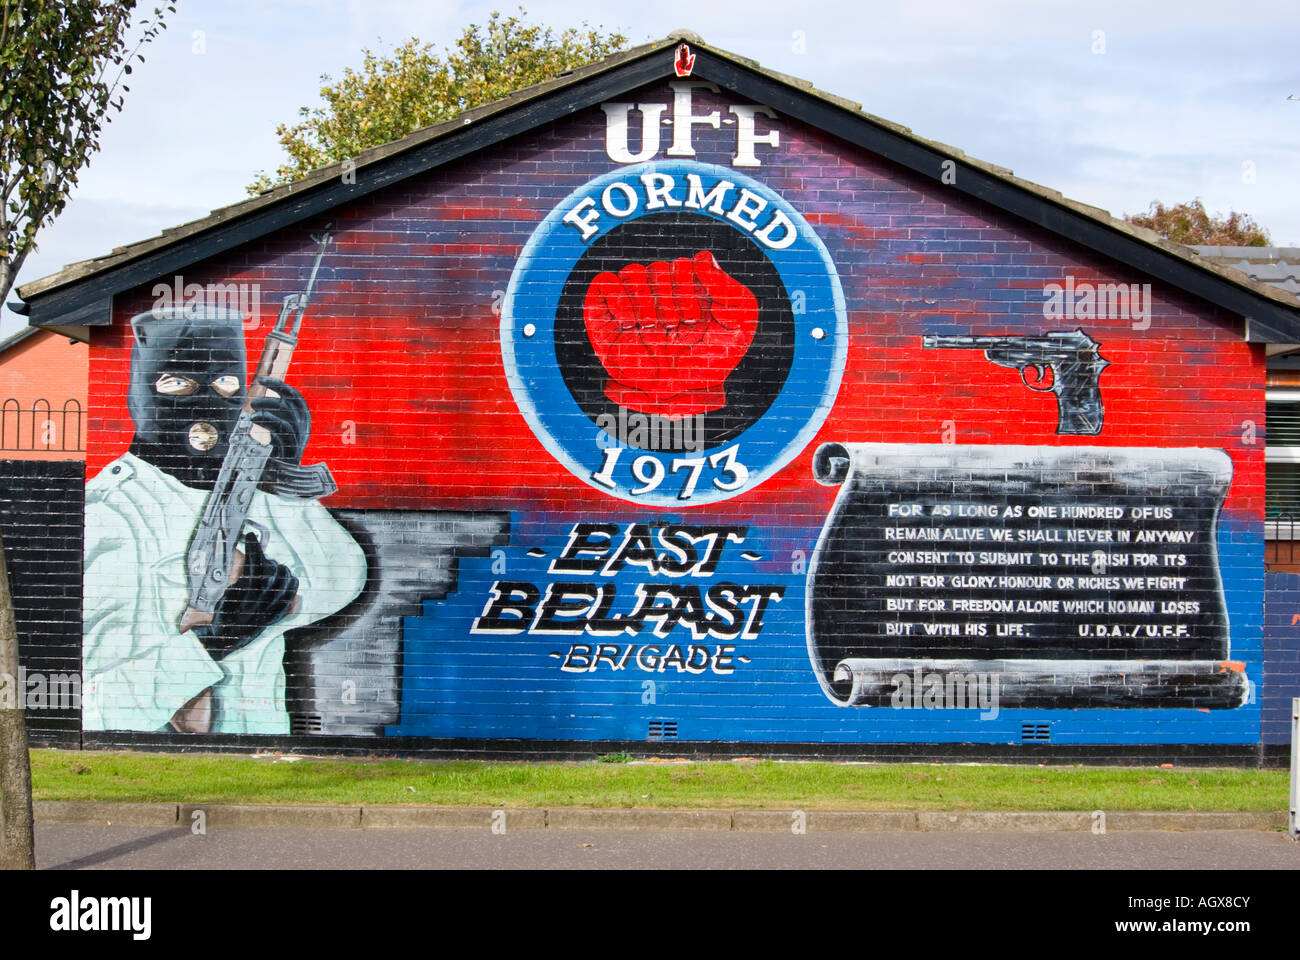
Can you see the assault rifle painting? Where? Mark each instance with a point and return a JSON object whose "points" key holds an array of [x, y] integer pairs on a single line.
{"points": [[206, 542], [214, 559]]}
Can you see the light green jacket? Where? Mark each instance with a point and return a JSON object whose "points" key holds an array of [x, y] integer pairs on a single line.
{"points": [[138, 668]]}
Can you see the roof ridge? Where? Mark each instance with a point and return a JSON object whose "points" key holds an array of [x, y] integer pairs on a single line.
{"points": [[82, 269]]}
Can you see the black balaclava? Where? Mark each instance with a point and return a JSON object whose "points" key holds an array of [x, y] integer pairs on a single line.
{"points": [[199, 344]]}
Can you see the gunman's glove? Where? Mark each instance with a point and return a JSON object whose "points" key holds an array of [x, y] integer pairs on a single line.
{"points": [[264, 593], [285, 417]]}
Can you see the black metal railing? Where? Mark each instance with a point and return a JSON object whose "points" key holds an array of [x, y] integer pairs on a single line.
{"points": [[41, 429], [1281, 533]]}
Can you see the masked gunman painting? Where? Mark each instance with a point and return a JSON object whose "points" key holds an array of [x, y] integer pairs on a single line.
{"points": [[205, 541]]}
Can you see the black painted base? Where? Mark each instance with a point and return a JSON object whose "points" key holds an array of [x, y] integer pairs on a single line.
{"points": [[1181, 754]]}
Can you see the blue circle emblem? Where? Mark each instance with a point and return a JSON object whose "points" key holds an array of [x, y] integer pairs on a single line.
{"points": [[659, 411]]}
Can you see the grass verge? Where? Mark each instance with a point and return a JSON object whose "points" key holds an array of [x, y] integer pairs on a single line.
{"points": [[750, 784]]}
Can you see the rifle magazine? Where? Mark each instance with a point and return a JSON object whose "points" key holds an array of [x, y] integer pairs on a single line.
{"points": [[298, 482]]}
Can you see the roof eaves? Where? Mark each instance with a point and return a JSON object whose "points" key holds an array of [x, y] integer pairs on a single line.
{"points": [[14, 339], [368, 157], [75, 272], [1098, 214], [1047, 193]]}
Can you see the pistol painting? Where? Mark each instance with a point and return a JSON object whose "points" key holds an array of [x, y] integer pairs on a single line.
{"points": [[1065, 363]]}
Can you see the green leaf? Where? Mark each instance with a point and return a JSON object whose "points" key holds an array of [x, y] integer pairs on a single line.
{"points": [[391, 95], [54, 99]]}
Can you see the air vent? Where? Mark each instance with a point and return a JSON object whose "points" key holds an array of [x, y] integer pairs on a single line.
{"points": [[1035, 733], [306, 723], [663, 730]]}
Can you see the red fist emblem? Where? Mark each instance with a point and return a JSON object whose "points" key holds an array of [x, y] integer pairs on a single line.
{"points": [[670, 334]]}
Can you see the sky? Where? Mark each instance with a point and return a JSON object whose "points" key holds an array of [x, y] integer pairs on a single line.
{"points": [[1115, 104]]}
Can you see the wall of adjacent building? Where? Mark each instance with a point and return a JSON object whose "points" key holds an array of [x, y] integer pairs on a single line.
{"points": [[43, 398], [41, 523]]}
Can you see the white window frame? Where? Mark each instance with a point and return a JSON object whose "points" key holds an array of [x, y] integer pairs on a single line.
{"points": [[1280, 454]]}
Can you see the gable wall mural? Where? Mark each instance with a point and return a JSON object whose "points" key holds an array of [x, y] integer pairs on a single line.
{"points": [[677, 419]]}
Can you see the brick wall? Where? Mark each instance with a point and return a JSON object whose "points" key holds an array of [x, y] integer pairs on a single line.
{"points": [[1281, 655], [502, 575], [40, 519]]}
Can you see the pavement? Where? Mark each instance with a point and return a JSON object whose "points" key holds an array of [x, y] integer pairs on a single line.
{"points": [[178, 847], [511, 819], [169, 836]]}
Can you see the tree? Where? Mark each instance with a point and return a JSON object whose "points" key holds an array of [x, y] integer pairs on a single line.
{"points": [[17, 847], [414, 87], [62, 69], [1190, 223]]}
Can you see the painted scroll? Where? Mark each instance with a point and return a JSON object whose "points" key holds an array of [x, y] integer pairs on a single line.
{"points": [[1078, 576]]}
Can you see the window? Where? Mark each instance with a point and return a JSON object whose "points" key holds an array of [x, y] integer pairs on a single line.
{"points": [[1282, 464]]}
